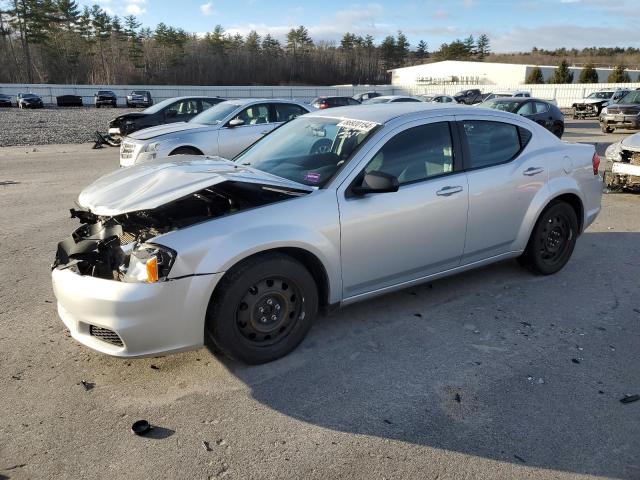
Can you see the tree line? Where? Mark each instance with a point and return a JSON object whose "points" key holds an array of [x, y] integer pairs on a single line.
{"points": [[57, 41], [588, 74]]}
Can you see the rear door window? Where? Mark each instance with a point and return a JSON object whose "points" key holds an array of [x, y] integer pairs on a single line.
{"points": [[491, 143], [256, 114], [541, 107]]}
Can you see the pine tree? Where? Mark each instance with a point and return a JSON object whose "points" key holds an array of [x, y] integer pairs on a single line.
{"points": [[482, 47], [402, 48], [562, 74], [588, 74], [535, 76], [619, 75], [422, 50]]}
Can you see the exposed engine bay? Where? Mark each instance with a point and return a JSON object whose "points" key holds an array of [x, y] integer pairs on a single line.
{"points": [[115, 248], [625, 171]]}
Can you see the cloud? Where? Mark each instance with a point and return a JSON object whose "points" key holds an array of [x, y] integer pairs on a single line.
{"points": [[134, 9], [207, 8], [568, 36]]}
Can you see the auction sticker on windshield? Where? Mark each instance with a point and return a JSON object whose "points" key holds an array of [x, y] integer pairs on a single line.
{"points": [[360, 125]]}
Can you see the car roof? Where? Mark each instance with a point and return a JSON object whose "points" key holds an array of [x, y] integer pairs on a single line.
{"points": [[385, 112], [392, 97], [248, 101]]}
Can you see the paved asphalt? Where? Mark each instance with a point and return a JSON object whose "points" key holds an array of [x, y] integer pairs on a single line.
{"points": [[491, 374]]}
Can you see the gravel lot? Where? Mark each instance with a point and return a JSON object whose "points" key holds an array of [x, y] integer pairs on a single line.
{"points": [[490, 374], [54, 125]]}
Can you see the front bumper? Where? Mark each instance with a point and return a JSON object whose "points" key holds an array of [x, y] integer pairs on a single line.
{"points": [[620, 121], [149, 319]]}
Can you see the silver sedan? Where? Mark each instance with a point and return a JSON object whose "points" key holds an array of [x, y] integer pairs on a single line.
{"points": [[225, 130], [334, 207]]}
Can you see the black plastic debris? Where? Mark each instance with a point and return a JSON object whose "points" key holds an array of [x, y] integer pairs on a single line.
{"points": [[155, 367], [630, 398], [517, 457], [141, 427], [206, 446], [87, 385], [419, 315], [458, 398], [575, 360]]}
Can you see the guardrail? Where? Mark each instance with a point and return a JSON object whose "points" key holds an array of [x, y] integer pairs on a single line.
{"points": [[564, 95]]}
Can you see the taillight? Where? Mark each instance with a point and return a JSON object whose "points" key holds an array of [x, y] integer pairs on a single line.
{"points": [[596, 163], [323, 106]]}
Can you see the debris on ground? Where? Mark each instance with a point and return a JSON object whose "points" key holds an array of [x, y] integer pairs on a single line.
{"points": [[457, 398], [206, 446], [630, 398], [517, 457], [141, 427], [419, 315], [155, 367], [87, 385], [575, 360]]}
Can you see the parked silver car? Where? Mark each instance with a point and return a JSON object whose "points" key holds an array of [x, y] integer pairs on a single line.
{"points": [[333, 207], [225, 129]]}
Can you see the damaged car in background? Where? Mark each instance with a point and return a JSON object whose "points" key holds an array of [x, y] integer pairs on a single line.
{"points": [[171, 110], [243, 254], [625, 168], [592, 104]]}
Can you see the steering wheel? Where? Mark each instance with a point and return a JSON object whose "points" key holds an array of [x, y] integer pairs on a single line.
{"points": [[321, 146]]}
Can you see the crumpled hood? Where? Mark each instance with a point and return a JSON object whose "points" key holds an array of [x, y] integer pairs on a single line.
{"points": [[589, 101], [153, 132], [149, 185]]}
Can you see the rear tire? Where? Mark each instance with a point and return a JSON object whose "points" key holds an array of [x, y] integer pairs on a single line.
{"points": [[607, 129], [552, 240], [558, 131], [262, 309]]}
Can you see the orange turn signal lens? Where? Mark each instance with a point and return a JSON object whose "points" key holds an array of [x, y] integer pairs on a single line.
{"points": [[152, 270]]}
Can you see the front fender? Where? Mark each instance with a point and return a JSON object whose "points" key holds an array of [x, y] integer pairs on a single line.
{"points": [[217, 245]]}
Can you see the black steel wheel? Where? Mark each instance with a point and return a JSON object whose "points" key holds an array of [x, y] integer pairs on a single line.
{"points": [[552, 240], [262, 308]]}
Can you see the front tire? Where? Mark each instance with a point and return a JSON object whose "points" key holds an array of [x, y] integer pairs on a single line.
{"points": [[552, 240], [606, 129], [262, 308]]}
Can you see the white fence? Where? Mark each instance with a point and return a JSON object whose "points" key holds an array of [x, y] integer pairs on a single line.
{"points": [[565, 95]]}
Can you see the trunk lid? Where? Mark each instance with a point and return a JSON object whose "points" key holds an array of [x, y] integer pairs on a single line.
{"points": [[149, 185]]}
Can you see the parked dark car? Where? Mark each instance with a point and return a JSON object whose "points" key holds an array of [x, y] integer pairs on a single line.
{"points": [[69, 101], [361, 97], [540, 111], [469, 97], [105, 97], [625, 114], [139, 98], [330, 102], [5, 100], [179, 109], [29, 100]]}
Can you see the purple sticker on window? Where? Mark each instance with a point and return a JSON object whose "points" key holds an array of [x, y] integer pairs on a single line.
{"points": [[312, 177]]}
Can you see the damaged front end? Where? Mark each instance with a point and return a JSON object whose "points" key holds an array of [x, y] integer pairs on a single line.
{"points": [[122, 248], [625, 168]]}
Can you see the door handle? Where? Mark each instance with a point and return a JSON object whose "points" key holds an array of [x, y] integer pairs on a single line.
{"points": [[446, 191], [529, 172]]}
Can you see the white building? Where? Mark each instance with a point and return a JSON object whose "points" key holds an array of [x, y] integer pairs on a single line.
{"points": [[482, 73]]}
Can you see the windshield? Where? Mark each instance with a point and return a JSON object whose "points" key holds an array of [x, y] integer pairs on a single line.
{"points": [[511, 107], [215, 115], [139, 92], [308, 150], [601, 95], [29, 95], [105, 92], [631, 98]]}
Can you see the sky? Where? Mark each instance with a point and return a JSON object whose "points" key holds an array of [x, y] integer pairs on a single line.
{"points": [[512, 25]]}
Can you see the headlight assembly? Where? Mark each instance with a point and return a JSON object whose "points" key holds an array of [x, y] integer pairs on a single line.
{"points": [[152, 147], [613, 152], [149, 263]]}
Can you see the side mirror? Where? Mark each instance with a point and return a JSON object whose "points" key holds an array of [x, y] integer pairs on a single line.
{"points": [[171, 114], [376, 182], [236, 122]]}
